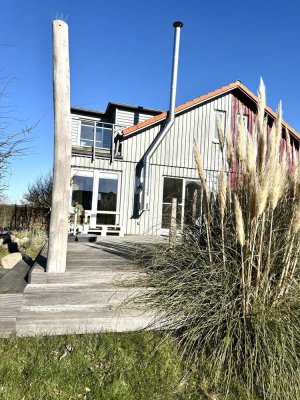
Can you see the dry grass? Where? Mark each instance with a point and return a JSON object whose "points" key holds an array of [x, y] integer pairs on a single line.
{"points": [[231, 288]]}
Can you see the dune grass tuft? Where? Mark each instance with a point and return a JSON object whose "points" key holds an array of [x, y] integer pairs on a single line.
{"points": [[230, 288]]}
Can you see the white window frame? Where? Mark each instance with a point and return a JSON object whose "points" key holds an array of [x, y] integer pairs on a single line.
{"points": [[165, 231], [96, 174], [245, 120]]}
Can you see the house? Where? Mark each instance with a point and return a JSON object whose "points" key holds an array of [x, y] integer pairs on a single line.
{"points": [[108, 149]]}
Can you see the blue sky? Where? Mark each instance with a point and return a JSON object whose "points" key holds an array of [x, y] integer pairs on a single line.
{"points": [[121, 51]]}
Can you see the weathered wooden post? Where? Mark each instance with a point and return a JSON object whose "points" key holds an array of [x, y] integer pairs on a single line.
{"points": [[194, 206], [173, 225], [58, 233]]}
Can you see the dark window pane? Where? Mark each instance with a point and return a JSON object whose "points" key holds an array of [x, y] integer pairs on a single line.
{"points": [[103, 137], [107, 135], [82, 192], [192, 202], [172, 188], [166, 216], [99, 134], [107, 194], [87, 135], [106, 219]]}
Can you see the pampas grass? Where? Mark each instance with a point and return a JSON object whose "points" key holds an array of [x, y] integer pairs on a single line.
{"points": [[231, 288]]}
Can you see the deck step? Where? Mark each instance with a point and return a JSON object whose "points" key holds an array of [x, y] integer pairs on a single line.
{"points": [[86, 277], [10, 305], [79, 322], [60, 296], [94, 295], [85, 237]]}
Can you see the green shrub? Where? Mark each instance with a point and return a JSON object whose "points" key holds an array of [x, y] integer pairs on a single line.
{"points": [[31, 240]]}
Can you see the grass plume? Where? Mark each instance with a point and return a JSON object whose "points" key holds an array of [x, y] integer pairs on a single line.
{"points": [[231, 287]]}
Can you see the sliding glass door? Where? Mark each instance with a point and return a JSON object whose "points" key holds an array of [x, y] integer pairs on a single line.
{"points": [[188, 195], [98, 193]]}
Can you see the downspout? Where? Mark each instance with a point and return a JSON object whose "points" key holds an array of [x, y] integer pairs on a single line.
{"points": [[170, 120]]}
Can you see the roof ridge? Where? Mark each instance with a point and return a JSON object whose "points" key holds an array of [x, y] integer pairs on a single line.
{"points": [[233, 85], [181, 107]]}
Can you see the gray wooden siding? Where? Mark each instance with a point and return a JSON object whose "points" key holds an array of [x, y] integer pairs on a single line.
{"points": [[75, 130], [174, 157], [176, 149], [130, 117]]}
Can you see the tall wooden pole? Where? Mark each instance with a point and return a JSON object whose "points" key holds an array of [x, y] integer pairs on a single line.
{"points": [[58, 234]]}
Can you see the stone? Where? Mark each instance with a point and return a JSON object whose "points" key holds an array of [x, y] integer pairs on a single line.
{"points": [[9, 261]]}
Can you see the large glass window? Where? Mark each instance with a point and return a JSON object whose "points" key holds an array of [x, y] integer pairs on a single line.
{"points": [[172, 188], [107, 194], [103, 135], [82, 192], [188, 195], [97, 192]]}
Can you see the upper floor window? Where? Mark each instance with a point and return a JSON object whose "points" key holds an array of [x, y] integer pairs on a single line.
{"points": [[245, 121], [101, 133], [221, 117]]}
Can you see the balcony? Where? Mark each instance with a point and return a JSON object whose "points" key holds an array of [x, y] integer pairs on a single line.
{"points": [[97, 139]]}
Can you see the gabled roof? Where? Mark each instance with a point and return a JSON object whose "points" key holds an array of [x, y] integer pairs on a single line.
{"points": [[201, 99]]}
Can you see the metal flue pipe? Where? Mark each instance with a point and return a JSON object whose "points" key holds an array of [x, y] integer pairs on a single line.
{"points": [[170, 120]]}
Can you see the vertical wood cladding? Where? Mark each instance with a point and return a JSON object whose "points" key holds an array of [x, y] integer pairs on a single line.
{"points": [[174, 156]]}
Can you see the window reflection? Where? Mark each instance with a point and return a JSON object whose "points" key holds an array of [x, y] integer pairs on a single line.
{"points": [[107, 195], [192, 206], [82, 192], [103, 135]]}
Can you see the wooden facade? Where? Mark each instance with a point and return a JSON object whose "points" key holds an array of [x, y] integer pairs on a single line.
{"points": [[195, 121]]}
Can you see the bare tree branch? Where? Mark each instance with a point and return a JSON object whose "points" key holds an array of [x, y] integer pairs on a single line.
{"points": [[39, 193]]}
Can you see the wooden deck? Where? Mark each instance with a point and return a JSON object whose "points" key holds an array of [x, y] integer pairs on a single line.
{"points": [[90, 296]]}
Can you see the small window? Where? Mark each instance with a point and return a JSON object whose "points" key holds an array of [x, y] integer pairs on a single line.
{"points": [[221, 116], [245, 120]]}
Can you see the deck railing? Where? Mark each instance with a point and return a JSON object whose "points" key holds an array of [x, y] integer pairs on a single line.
{"points": [[99, 135]]}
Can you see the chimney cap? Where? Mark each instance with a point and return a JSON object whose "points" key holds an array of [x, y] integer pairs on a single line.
{"points": [[178, 24]]}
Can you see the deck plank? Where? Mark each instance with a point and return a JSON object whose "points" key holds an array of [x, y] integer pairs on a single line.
{"points": [[90, 296]]}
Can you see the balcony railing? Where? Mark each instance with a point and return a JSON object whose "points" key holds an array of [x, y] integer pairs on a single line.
{"points": [[96, 135]]}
